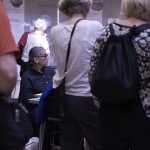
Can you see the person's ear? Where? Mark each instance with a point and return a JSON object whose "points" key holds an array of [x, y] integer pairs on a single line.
{"points": [[36, 60]]}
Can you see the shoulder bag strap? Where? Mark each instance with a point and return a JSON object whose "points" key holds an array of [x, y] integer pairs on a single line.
{"points": [[68, 49]]}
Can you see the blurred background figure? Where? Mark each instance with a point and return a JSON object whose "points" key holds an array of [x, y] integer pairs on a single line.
{"points": [[29, 40]]}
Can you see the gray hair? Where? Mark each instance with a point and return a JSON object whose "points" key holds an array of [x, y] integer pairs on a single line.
{"points": [[33, 53]]}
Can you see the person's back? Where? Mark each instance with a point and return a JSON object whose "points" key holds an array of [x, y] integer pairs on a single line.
{"points": [[126, 125], [80, 54], [80, 117]]}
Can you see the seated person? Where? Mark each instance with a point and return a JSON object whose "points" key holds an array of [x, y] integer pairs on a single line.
{"points": [[35, 80]]}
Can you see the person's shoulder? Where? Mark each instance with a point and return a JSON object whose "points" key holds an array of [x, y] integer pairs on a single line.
{"points": [[103, 33], [50, 71], [90, 26], [26, 33], [105, 28], [57, 32], [29, 73], [49, 68], [92, 23], [56, 27], [3, 12]]}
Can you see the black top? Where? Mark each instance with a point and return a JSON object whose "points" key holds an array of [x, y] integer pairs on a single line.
{"points": [[34, 82]]}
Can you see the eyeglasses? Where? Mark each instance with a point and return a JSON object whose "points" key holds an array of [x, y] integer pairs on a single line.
{"points": [[45, 55]]}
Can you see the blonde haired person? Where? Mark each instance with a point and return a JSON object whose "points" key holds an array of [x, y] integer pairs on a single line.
{"points": [[127, 126], [140, 7], [80, 116]]}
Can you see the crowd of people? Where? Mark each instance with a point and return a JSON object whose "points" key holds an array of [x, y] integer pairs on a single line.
{"points": [[104, 125]]}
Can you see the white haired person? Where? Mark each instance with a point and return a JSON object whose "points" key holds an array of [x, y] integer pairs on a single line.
{"points": [[80, 116], [37, 38]]}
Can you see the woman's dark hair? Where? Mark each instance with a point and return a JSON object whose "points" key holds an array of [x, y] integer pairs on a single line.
{"points": [[33, 53], [70, 7]]}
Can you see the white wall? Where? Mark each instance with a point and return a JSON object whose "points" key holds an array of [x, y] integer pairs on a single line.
{"points": [[16, 17], [111, 10]]}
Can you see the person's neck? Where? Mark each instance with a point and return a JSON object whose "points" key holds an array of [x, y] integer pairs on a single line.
{"points": [[38, 68], [131, 21], [38, 32], [74, 18]]}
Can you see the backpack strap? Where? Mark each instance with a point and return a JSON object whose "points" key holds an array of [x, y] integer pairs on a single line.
{"points": [[141, 28], [133, 30], [130, 33], [112, 31]]}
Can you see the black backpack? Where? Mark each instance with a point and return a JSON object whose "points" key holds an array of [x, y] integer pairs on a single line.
{"points": [[116, 76]]}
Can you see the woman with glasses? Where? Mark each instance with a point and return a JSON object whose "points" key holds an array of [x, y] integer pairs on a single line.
{"points": [[35, 80]]}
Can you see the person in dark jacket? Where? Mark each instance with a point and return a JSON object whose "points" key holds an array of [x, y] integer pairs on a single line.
{"points": [[35, 81]]}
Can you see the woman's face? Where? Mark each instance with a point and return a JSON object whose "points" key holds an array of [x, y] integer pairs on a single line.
{"points": [[42, 58]]}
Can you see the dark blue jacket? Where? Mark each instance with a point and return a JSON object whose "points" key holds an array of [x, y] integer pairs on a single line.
{"points": [[34, 82]]}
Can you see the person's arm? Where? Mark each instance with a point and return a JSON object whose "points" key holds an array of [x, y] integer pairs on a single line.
{"points": [[98, 44], [8, 73], [26, 89]]}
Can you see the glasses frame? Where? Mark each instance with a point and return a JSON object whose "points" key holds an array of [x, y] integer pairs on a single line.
{"points": [[45, 55]]}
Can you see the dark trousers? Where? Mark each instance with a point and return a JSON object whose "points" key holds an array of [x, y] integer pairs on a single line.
{"points": [[51, 135], [50, 138], [33, 115], [79, 122], [124, 127]]}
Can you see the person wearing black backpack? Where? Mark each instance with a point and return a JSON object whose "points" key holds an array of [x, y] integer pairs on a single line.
{"points": [[120, 79]]}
